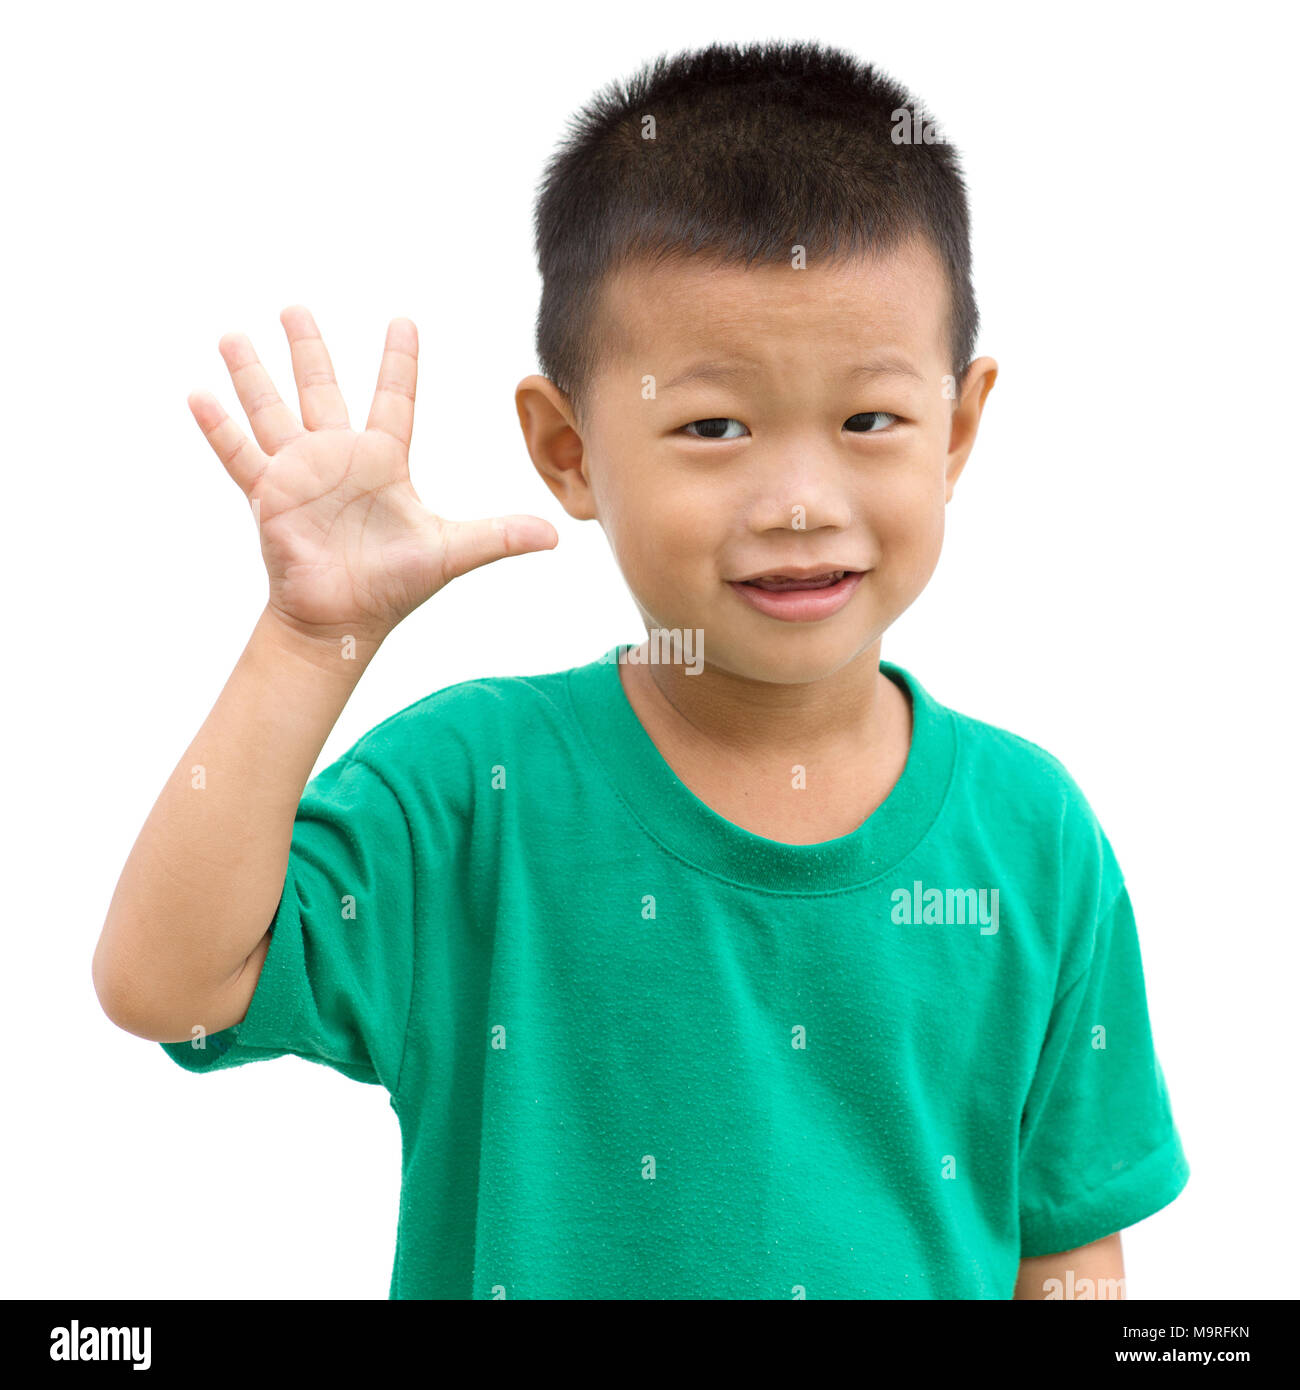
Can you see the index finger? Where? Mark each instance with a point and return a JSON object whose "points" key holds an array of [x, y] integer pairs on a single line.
{"points": [[393, 408]]}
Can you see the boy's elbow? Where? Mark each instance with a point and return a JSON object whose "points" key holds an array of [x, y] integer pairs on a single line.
{"points": [[107, 987], [169, 1010], [124, 1002], [115, 996]]}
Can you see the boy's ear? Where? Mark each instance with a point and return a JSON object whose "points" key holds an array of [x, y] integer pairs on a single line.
{"points": [[554, 445], [975, 387]]}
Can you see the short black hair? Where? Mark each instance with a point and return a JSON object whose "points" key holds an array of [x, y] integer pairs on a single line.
{"points": [[756, 148]]}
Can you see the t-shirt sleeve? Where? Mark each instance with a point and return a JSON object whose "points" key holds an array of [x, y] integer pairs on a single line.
{"points": [[1099, 1150], [336, 984]]}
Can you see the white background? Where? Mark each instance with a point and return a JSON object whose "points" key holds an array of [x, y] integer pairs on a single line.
{"points": [[1116, 584]]}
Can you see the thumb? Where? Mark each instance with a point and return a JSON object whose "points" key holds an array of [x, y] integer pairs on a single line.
{"points": [[470, 544]]}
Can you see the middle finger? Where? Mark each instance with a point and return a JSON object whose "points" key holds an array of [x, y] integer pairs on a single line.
{"points": [[319, 396]]}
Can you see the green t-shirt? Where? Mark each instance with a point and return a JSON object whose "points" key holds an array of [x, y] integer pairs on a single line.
{"points": [[636, 1051]]}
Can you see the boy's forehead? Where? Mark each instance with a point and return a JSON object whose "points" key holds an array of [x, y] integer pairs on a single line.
{"points": [[897, 299]]}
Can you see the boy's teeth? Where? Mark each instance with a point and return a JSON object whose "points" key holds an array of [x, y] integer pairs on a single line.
{"points": [[775, 581]]}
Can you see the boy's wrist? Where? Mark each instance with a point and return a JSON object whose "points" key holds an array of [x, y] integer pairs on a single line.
{"points": [[345, 652]]}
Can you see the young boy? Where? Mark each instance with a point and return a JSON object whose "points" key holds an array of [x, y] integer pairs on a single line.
{"points": [[733, 965]]}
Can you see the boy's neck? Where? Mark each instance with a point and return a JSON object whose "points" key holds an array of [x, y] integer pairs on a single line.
{"points": [[735, 743], [848, 710]]}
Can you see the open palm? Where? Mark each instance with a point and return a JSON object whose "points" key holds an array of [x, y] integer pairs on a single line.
{"points": [[348, 545]]}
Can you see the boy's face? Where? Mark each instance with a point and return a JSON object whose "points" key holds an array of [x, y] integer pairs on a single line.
{"points": [[805, 463]]}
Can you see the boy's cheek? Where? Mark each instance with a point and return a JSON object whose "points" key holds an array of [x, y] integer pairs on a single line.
{"points": [[914, 566], [909, 539], [671, 523], [662, 561]]}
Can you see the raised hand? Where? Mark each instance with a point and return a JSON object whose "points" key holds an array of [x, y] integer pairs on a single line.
{"points": [[348, 546]]}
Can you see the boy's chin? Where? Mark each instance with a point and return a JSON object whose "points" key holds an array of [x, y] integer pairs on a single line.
{"points": [[808, 653]]}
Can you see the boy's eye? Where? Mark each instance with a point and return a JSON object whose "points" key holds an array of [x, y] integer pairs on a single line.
{"points": [[869, 421], [714, 429], [719, 427]]}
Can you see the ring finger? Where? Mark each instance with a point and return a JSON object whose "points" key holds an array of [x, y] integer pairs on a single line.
{"points": [[272, 422]]}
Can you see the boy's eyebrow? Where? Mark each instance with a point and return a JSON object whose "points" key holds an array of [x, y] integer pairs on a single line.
{"points": [[887, 365], [884, 365], [714, 371]]}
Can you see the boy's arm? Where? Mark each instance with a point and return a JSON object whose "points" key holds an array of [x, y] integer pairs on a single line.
{"points": [[1102, 1262], [350, 551], [198, 893]]}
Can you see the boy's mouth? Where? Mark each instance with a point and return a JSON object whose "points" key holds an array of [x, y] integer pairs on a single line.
{"points": [[799, 596], [776, 583]]}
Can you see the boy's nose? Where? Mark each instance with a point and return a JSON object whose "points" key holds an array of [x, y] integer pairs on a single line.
{"points": [[800, 495]]}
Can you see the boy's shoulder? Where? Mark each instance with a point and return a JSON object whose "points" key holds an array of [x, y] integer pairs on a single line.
{"points": [[1013, 758], [482, 711], [995, 751], [1007, 778]]}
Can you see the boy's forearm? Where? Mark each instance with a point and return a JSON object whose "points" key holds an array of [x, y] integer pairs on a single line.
{"points": [[204, 877]]}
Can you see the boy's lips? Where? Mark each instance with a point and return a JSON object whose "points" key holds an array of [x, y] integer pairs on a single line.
{"points": [[799, 596]]}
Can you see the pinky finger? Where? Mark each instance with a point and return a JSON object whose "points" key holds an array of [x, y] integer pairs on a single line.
{"points": [[242, 459]]}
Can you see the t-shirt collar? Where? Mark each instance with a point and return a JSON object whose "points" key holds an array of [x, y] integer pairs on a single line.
{"points": [[684, 825]]}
